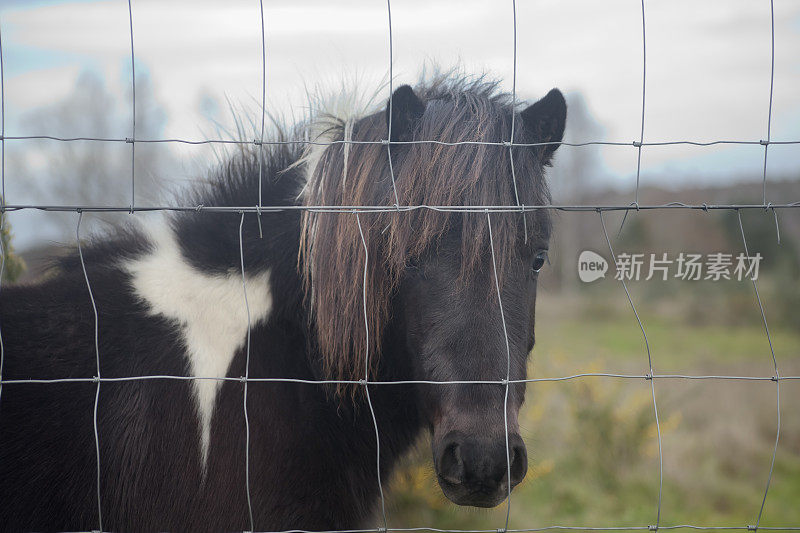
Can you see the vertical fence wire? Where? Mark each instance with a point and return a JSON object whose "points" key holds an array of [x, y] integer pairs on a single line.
{"points": [[391, 108], [263, 117], [246, 379], [3, 213], [769, 112], [508, 367], [644, 93], [640, 143], [649, 375], [513, 121], [2, 125], [98, 376], [777, 376], [744, 242], [133, 105], [366, 374], [630, 300]]}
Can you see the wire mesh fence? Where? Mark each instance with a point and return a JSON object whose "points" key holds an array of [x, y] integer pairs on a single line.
{"points": [[650, 375]]}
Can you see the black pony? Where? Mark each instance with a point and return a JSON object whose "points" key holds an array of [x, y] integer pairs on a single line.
{"points": [[170, 302]]}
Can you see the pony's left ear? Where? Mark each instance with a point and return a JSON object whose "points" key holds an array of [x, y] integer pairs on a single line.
{"points": [[545, 120], [406, 109]]}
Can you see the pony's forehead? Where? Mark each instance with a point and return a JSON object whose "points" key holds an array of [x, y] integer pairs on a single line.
{"points": [[473, 167]]}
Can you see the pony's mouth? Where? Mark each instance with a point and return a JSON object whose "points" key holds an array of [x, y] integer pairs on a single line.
{"points": [[476, 496]]}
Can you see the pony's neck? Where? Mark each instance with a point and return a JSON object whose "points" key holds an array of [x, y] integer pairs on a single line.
{"points": [[222, 243], [218, 243]]}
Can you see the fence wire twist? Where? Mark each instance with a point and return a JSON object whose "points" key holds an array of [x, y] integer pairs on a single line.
{"points": [[258, 208]]}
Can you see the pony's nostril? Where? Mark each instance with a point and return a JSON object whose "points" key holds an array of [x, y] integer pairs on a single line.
{"points": [[451, 465], [519, 464]]}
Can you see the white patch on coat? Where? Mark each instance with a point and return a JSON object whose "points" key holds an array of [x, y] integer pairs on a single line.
{"points": [[209, 309]]}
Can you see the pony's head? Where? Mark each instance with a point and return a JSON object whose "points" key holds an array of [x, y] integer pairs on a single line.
{"points": [[430, 274]]}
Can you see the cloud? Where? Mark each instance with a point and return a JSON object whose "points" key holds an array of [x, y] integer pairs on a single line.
{"points": [[39, 87], [707, 63]]}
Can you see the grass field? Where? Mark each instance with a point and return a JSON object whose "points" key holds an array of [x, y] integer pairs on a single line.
{"points": [[593, 444]]}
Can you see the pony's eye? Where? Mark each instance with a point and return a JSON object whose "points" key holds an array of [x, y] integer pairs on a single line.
{"points": [[539, 260]]}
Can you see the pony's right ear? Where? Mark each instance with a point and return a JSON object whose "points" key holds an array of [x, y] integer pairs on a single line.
{"points": [[406, 109], [545, 119]]}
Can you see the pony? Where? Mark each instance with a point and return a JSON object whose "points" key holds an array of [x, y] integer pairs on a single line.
{"points": [[206, 298]]}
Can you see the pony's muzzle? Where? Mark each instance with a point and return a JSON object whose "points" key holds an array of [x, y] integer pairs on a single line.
{"points": [[473, 470]]}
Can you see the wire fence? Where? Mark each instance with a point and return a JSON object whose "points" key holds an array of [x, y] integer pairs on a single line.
{"points": [[258, 208]]}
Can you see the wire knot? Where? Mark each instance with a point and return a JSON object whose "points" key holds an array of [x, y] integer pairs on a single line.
{"points": [[385, 142], [96, 379], [705, 207], [362, 382], [199, 207], [648, 376], [257, 142], [768, 206], [637, 144], [508, 144], [129, 140], [652, 528], [752, 527], [243, 379], [763, 142]]}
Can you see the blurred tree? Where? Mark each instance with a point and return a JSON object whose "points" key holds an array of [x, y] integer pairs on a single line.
{"points": [[577, 167], [13, 265], [92, 172], [575, 170]]}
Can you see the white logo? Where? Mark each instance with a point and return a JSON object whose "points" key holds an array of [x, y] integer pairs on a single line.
{"points": [[635, 266], [591, 266]]}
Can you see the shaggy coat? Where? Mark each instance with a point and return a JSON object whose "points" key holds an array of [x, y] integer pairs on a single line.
{"points": [[170, 302]]}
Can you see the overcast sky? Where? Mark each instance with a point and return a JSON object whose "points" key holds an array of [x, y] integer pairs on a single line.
{"points": [[708, 63]]}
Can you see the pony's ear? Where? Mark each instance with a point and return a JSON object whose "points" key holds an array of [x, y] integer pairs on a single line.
{"points": [[545, 120], [406, 109]]}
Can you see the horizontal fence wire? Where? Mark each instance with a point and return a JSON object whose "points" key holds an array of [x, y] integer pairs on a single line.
{"points": [[259, 208], [748, 527], [243, 379], [650, 527], [401, 208], [256, 142]]}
